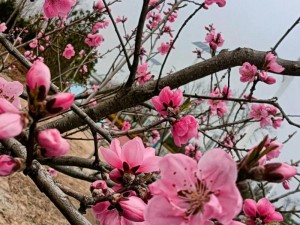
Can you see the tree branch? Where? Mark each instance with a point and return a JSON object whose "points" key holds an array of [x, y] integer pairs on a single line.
{"points": [[139, 94]]}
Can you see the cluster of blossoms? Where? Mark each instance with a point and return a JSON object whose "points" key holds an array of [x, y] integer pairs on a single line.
{"points": [[214, 40], [168, 104], [218, 107], [142, 73], [131, 162], [61, 8], [250, 72], [13, 121], [268, 115]]}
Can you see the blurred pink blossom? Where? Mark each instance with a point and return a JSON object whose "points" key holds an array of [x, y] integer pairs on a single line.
{"points": [[69, 51], [53, 145], [2, 27], [61, 8], [8, 165], [94, 40], [11, 91]]}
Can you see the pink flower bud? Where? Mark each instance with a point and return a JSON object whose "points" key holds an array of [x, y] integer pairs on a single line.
{"points": [[60, 102], [52, 172], [278, 172], [133, 208], [99, 188], [8, 165], [286, 185], [53, 145], [38, 80]]}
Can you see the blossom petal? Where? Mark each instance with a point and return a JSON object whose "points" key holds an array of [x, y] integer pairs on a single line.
{"points": [[133, 152], [111, 158], [217, 166], [250, 208], [161, 212]]}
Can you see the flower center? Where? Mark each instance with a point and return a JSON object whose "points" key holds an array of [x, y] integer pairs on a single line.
{"points": [[195, 198]]}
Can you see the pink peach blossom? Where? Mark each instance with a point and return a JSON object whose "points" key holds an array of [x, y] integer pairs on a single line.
{"points": [[142, 75], [271, 64], [168, 101], [2, 27], [220, 3], [60, 102], [61, 8], [94, 40], [8, 165], [11, 91], [69, 51], [83, 69], [99, 6], [184, 129], [132, 157], [193, 193], [100, 25], [53, 145], [11, 125], [248, 72], [33, 43], [38, 79], [126, 126], [214, 40], [163, 48], [262, 211]]}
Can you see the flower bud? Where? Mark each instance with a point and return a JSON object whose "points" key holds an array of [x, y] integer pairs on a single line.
{"points": [[278, 172], [99, 188], [286, 185], [53, 145], [38, 80], [60, 102], [9, 165], [133, 208]]}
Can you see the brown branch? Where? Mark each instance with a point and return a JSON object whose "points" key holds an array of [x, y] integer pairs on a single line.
{"points": [[139, 94], [75, 161], [138, 43], [44, 182]]}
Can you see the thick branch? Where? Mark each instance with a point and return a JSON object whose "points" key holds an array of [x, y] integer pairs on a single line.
{"points": [[137, 95]]}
